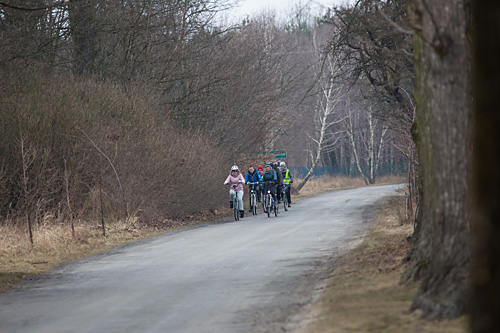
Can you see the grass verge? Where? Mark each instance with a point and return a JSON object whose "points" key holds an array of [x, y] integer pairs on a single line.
{"points": [[365, 293], [325, 184]]}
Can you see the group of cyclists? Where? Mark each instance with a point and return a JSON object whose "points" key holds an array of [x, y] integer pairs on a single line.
{"points": [[274, 177]]}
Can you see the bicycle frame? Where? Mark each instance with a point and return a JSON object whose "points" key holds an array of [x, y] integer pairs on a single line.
{"points": [[253, 198], [236, 206], [284, 197], [270, 202]]}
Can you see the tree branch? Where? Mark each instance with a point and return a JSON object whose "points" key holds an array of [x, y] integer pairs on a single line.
{"points": [[33, 9]]}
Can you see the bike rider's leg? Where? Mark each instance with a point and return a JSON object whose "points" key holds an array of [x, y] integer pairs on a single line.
{"points": [[288, 195], [278, 193], [273, 192], [240, 200]]}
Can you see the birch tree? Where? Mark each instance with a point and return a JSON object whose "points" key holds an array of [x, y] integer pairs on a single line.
{"points": [[367, 144], [326, 113]]}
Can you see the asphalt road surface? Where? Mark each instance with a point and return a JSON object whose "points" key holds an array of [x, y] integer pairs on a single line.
{"points": [[255, 275]]}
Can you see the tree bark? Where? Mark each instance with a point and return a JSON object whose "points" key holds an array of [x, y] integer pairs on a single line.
{"points": [[485, 302], [441, 254]]}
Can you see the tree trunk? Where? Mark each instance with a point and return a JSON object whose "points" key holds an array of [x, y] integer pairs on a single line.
{"points": [[350, 134], [82, 15], [485, 302], [319, 151], [441, 254]]}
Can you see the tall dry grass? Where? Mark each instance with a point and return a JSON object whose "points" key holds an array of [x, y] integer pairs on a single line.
{"points": [[54, 244]]}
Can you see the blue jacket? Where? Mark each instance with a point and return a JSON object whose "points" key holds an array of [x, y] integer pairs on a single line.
{"points": [[253, 178]]}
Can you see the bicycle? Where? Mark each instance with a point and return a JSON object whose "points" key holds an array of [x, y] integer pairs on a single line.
{"points": [[263, 197], [253, 198], [284, 197], [236, 206], [271, 203], [276, 208]]}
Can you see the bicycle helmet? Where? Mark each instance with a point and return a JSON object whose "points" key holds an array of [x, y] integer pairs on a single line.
{"points": [[235, 168], [283, 164]]}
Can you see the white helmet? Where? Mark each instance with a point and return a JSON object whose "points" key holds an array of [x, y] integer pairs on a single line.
{"points": [[235, 168], [283, 164]]}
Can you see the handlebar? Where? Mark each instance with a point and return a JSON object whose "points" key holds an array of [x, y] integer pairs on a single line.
{"points": [[233, 185]]}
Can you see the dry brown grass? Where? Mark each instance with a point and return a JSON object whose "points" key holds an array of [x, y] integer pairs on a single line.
{"points": [[364, 293], [54, 244], [328, 183]]}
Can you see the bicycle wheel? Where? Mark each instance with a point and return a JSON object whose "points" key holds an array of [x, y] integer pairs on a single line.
{"points": [[285, 201], [268, 205], [253, 203], [236, 210], [254, 207], [276, 209]]}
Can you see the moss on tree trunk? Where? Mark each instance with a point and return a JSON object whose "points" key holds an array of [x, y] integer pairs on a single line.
{"points": [[442, 137]]}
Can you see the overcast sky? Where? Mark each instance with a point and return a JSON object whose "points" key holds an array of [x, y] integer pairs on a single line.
{"points": [[281, 7]]}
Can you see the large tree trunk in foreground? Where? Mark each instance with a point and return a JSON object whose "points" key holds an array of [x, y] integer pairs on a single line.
{"points": [[485, 305], [441, 254]]}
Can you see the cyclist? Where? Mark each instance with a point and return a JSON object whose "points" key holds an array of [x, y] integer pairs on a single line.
{"points": [[270, 178], [279, 181], [236, 178], [287, 180], [253, 176], [261, 172]]}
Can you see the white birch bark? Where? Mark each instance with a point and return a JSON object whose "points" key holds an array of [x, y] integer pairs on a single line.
{"points": [[371, 155], [329, 96]]}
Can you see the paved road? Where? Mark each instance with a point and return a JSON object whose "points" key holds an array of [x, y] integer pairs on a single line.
{"points": [[254, 275]]}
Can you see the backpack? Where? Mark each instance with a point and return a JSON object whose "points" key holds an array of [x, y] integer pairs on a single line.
{"points": [[279, 175]]}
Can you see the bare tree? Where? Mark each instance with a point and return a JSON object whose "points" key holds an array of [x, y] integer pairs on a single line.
{"points": [[366, 135], [326, 113], [27, 161]]}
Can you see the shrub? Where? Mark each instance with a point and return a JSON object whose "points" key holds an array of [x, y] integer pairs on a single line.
{"points": [[68, 144]]}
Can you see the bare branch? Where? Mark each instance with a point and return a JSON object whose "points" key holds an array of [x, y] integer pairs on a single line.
{"points": [[112, 166], [33, 9]]}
